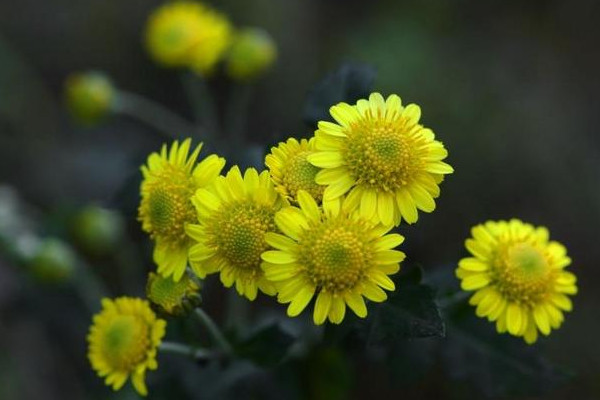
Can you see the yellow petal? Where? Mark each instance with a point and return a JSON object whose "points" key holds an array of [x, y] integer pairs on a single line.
{"points": [[514, 318], [326, 159], [542, 320], [337, 310], [278, 257], [388, 242], [406, 206], [356, 303], [300, 300], [322, 306], [309, 206]]}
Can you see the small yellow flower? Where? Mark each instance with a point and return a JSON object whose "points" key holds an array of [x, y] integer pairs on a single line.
{"points": [[253, 51], [234, 214], [89, 96], [170, 180], [518, 277], [291, 170], [123, 341], [378, 153], [187, 34], [173, 298], [337, 256]]}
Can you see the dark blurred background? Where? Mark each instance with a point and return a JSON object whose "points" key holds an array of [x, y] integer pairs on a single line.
{"points": [[509, 86]]}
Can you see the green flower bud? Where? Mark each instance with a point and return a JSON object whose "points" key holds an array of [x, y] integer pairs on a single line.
{"points": [[97, 230], [89, 96], [53, 261], [252, 53], [170, 297]]}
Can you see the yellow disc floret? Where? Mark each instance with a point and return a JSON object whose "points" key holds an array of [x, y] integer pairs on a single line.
{"points": [[233, 216], [519, 278], [291, 170], [332, 254], [170, 180], [378, 153], [187, 34], [123, 341]]}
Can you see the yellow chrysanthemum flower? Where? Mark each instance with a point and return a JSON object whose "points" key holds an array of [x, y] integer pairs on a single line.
{"points": [[337, 256], [518, 276], [89, 96], [188, 34], [123, 341], [380, 155], [253, 52], [291, 170], [170, 297], [234, 214], [170, 180]]}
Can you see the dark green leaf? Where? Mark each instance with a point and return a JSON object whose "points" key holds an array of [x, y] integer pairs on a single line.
{"points": [[409, 312], [266, 346], [348, 83]]}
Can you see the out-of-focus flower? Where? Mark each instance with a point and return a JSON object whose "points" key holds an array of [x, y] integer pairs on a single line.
{"points": [[518, 277], [97, 230], [173, 298], [234, 214], [377, 152], [291, 170], [89, 96], [170, 180], [337, 256], [53, 261], [123, 341], [188, 34], [253, 52]]}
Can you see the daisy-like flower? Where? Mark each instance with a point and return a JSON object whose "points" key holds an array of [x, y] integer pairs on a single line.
{"points": [[337, 256], [123, 341], [170, 180], [188, 34], [518, 276], [291, 170], [233, 216], [170, 297], [377, 152]]}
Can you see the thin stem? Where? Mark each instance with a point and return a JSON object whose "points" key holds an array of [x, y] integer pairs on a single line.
{"points": [[153, 114], [202, 103], [185, 350], [214, 330], [88, 286]]}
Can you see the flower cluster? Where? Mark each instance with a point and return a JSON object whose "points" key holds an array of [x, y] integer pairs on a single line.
{"points": [[190, 34], [316, 223]]}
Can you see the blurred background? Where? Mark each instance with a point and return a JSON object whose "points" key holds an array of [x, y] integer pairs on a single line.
{"points": [[509, 86]]}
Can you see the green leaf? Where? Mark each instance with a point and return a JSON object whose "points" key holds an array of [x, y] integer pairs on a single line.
{"points": [[266, 346], [348, 83], [409, 312]]}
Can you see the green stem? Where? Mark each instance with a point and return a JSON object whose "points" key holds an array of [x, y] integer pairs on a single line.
{"points": [[237, 310], [213, 330], [203, 104], [237, 113], [88, 286], [152, 114], [185, 350]]}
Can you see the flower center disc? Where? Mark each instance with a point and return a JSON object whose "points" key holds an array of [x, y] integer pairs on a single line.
{"points": [[167, 206], [334, 256], [523, 273], [126, 341], [241, 234], [300, 174], [382, 153]]}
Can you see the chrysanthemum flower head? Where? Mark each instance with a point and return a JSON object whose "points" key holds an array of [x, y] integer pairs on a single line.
{"points": [[89, 96], [291, 170], [187, 34], [518, 276], [253, 51], [233, 216], [171, 178], [381, 157], [170, 297], [337, 256], [123, 341]]}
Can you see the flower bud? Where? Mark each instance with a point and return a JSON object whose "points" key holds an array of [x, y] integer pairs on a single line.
{"points": [[252, 53], [89, 96], [170, 297], [97, 230], [53, 261]]}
